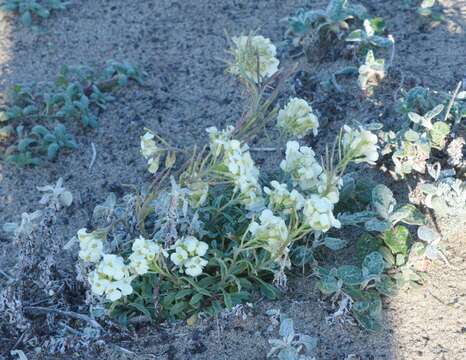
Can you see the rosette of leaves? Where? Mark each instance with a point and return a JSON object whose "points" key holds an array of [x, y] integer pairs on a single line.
{"points": [[290, 345], [29, 10], [371, 34], [325, 24], [39, 143]]}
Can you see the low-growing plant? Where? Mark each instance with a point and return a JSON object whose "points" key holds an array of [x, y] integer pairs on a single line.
{"points": [[291, 345], [78, 94], [430, 9], [386, 257], [31, 10], [420, 135], [207, 234], [323, 26], [371, 35]]}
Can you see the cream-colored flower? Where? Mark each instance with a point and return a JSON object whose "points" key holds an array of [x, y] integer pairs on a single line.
{"points": [[271, 232], [99, 284], [360, 144], [148, 145], [282, 200], [318, 214], [300, 163], [138, 264], [297, 119], [179, 256], [194, 266], [255, 57], [90, 245], [112, 266]]}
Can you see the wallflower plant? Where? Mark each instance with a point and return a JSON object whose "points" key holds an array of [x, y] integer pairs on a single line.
{"points": [[208, 233]]}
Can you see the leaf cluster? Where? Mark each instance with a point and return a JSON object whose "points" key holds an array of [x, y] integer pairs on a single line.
{"points": [[35, 116], [33, 10]]}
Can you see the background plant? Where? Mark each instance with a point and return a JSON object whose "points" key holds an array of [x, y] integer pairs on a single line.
{"points": [[32, 10], [35, 116]]}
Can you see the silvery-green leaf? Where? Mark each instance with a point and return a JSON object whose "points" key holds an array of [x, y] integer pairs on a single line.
{"points": [[355, 36], [66, 198], [328, 284], [427, 234], [427, 4], [386, 286], [381, 41], [434, 112], [397, 239], [309, 342], [461, 95], [415, 118], [383, 201], [432, 252], [374, 126], [408, 214], [373, 264], [288, 353], [286, 328], [411, 135], [10, 227], [377, 225], [428, 188], [350, 274], [400, 259], [355, 218], [334, 243]]}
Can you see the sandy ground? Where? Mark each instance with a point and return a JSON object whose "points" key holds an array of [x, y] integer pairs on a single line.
{"points": [[180, 45]]}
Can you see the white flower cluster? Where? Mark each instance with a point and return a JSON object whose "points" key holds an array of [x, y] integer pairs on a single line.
{"points": [[144, 251], [271, 232], [255, 56], [150, 151], [300, 163], [111, 278], [188, 255], [361, 144], [318, 213], [297, 119], [91, 246], [240, 166], [282, 200]]}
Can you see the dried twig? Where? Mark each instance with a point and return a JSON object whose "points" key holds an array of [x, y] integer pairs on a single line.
{"points": [[44, 310]]}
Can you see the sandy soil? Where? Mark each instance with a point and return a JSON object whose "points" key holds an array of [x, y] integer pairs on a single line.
{"points": [[180, 45]]}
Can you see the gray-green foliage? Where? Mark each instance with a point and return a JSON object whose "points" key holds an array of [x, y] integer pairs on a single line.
{"points": [[291, 345], [429, 118], [334, 21], [430, 9], [371, 34], [384, 252], [31, 10], [78, 95]]}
